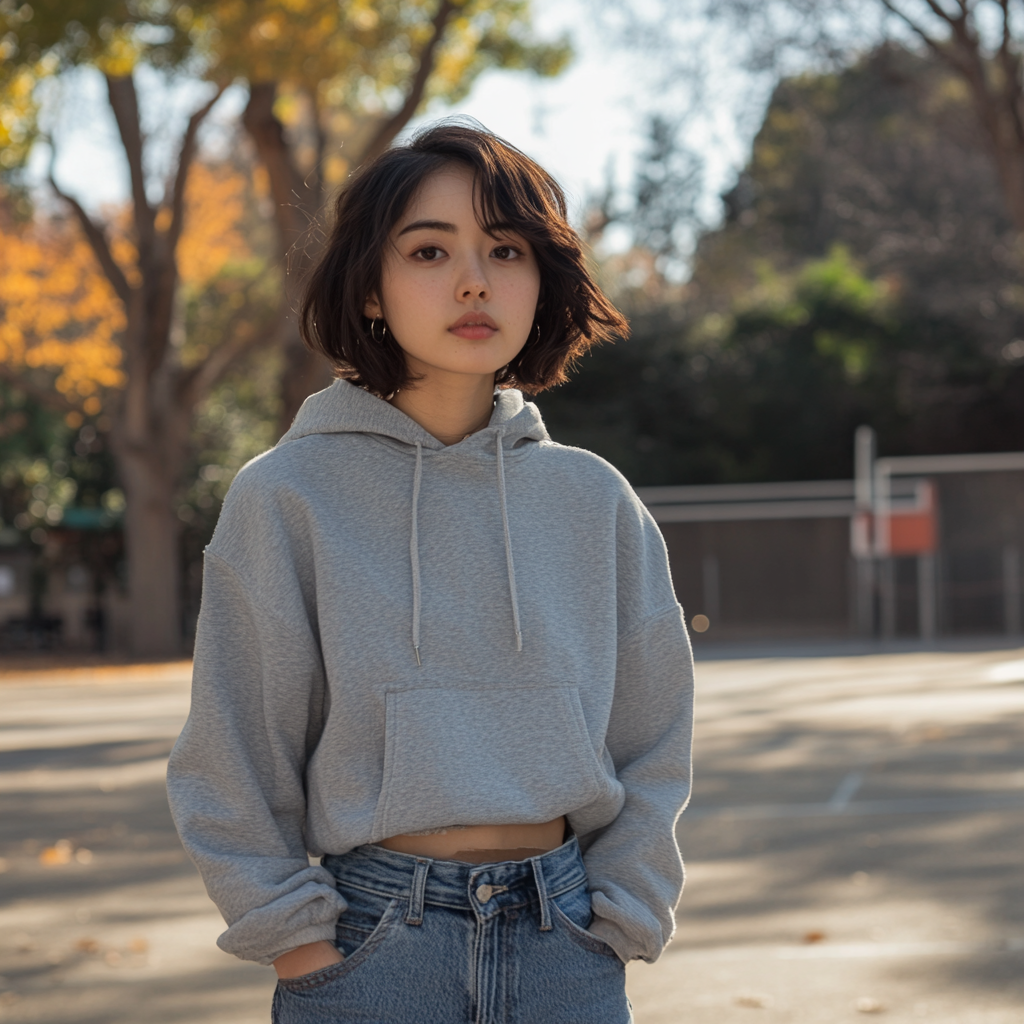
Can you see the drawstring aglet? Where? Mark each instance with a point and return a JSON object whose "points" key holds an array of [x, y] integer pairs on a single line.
{"points": [[519, 641], [416, 651]]}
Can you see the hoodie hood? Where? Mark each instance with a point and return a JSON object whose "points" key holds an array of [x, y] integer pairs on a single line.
{"points": [[344, 408]]}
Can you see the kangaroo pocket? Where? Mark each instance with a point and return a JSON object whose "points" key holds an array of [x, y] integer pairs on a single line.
{"points": [[461, 756]]}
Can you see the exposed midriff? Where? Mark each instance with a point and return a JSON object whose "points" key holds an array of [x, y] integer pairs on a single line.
{"points": [[481, 844]]}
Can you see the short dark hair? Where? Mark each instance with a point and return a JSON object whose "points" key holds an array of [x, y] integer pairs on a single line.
{"points": [[572, 313]]}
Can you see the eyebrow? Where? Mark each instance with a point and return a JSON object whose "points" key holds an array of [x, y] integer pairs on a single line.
{"points": [[429, 225], [451, 229]]}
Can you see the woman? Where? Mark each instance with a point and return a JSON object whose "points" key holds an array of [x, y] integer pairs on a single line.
{"points": [[437, 651]]}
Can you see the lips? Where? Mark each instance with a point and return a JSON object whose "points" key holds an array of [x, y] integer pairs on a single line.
{"points": [[474, 326]]}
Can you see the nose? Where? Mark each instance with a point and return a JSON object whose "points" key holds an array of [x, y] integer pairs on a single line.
{"points": [[472, 282]]}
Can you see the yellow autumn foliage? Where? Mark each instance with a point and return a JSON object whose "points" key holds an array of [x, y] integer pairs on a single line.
{"points": [[57, 310], [215, 208]]}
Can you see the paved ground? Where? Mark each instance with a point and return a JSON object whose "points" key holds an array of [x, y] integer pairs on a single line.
{"points": [[855, 849]]}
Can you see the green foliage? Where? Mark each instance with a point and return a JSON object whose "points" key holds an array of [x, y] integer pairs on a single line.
{"points": [[775, 389], [58, 491], [49, 465], [886, 158]]}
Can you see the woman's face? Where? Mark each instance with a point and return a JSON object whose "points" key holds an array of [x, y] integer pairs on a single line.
{"points": [[457, 299]]}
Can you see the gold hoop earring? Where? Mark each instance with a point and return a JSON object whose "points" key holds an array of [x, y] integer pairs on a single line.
{"points": [[384, 330]]}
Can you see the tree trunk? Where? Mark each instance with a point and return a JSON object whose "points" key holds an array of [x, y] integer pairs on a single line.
{"points": [[297, 198], [151, 534], [150, 437]]}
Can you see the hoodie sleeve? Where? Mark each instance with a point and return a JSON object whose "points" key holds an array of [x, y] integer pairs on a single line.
{"points": [[634, 865], [235, 778]]}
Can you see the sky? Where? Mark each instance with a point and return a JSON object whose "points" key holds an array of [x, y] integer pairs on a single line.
{"points": [[575, 125]]}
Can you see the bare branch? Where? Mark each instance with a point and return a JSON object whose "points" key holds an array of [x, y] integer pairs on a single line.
{"points": [[931, 43], [394, 124], [125, 104], [97, 239], [1004, 43], [185, 157], [947, 53], [198, 380], [940, 12]]}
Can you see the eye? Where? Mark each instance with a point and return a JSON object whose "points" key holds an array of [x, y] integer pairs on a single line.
{"points": [[505, 252], [429, 253]]}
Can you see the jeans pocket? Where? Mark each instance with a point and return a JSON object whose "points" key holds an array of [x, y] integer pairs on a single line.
{"points": [[360, 930], [573, 912], [315, 979], [362, 918]]}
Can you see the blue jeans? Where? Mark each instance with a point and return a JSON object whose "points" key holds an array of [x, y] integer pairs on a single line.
{"points": [[445, 942]]}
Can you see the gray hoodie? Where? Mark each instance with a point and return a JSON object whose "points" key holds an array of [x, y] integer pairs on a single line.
{"points": [[398, 636]]}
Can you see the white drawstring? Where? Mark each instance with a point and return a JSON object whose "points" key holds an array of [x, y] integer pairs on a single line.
{"points": [[508, 547], [414, 553], [414, 550]]}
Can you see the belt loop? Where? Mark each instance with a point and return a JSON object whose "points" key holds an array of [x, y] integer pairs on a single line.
{"points": [[414, 915], [542, 892]]}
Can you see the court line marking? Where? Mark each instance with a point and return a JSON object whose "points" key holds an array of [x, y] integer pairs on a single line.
{"points": [[846, 791]]}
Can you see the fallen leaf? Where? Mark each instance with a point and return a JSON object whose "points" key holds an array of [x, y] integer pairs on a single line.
{"points": [[59, 853], [814, 936], [138, 945], [867, 1004], [752, 1001], [87, 945]]}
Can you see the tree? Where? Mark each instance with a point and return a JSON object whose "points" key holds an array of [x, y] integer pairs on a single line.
{"points": [[989, 63], [886, 158], [980, 41], [363, 51]]}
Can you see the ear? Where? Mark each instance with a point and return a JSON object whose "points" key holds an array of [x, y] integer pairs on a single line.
{"points": [[372, 309]]}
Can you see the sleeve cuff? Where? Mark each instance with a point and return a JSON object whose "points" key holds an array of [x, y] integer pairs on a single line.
{"points": [[612, 935], [314, 933]]}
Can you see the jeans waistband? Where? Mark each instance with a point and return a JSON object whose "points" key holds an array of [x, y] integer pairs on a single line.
{"points": [[485, 889]]}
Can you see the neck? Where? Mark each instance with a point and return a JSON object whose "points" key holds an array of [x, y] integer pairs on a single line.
{"points": [[450, 407]]}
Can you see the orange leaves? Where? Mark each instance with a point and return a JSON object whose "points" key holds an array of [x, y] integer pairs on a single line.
{"points": [[57, 310], [215, 200]]}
